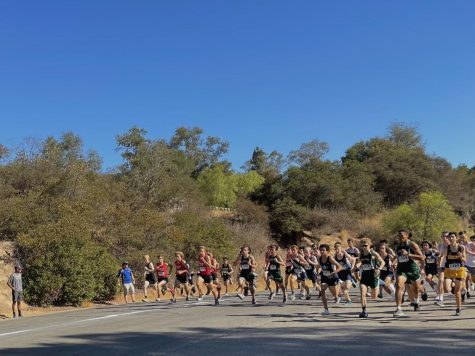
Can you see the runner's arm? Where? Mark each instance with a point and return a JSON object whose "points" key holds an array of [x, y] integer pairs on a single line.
{"points": [[418, 255], [336, 264]]}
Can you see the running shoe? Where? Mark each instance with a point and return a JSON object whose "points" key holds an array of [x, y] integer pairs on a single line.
{"points": [[246, 291], [158, 300], [284, 300], [292, 297], [301, 297], [458, 312], [216, 301], [469, 295], [199, 299], [380, 295], [172, 300], [187, 298], [253, 301], [225, 294], [363, 314], [271, 296], [412, 304], [398, 313], [348, 302], [417, 307], [325, 312], [240, 296], [424, 297], [337, 300], [440, 303], [145, 300], [308, 296]]}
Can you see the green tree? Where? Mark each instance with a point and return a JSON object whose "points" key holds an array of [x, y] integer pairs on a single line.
{"points": [[430, 214]]}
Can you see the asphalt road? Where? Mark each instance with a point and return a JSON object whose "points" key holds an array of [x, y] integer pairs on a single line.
{"points": [[238, 328]]}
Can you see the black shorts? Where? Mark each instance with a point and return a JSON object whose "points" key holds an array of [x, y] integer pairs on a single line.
{"points": [[288, 270], [385, 273], [206, 278], [150, 278], [430, 269], [249, 277], [311, 275], [226, 277], [344, 275], [331, 282], [161, 279], [182, 279], [214, 276]]}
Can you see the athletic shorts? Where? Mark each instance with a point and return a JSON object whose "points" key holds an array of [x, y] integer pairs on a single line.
{"points": [[17, 296], [150, 278], [384, 274], [128, 288], [311, 275], [344, 275], [412, 276], [470, 270], [288, 270], [459, 273], [369, 279], [214, 276], [430, 269], [275, 275], [181, 279], [161, 279], [331, 282], [248, 276], [226, 277], [301, 276], [206, 278]]}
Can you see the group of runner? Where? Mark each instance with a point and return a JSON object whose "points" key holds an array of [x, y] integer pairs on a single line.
{"points": [[403, 273]]}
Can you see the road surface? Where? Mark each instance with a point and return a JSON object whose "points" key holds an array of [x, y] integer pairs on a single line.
{"points": [[239, 328]]}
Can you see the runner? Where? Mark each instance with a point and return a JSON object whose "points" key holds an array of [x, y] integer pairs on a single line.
{"points": [[386, 275], [181, 276], [430, 266], [454, 270], [161, 269], [353, 251], [369, 263], [204, 276], [289, 276], [407, 270], [273, 272], [311, 269], [442, 249], [226, 272], [150, 279], [247, 277], [214, 273], [329, 275], [266, 265], [298, 268], [347, 263], [470, 264]]}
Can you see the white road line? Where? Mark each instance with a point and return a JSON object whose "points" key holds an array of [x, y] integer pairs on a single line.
{"points": [[16, 332]]}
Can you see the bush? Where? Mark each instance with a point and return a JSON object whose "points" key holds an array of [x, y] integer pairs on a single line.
{"points": [[427, 217], [64, 266]]}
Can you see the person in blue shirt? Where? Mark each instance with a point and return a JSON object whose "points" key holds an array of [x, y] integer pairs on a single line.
{"points": [[126, 278]]}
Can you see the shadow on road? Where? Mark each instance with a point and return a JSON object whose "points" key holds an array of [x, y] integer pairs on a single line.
{"points": [[318, 340]]}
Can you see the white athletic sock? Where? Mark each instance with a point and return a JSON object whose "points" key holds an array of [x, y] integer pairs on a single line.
{"points": [[392, 289], [441, 297], [416, 300]]}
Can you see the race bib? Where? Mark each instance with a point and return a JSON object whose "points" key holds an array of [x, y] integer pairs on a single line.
{"points": [[366, 267], [225, 270], [297, 270], [326, 273], [245, 266], [272, 267], [455, 265], [161, 274], [403, 258], [430, 260], [202, 269]]}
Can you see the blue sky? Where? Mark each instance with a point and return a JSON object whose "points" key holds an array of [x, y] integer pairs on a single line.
{"points": [[262, 73]]}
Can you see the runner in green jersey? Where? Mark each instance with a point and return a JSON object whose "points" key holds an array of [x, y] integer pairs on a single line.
{"points": [[407, 269], [273, 272], [369, 264]]}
